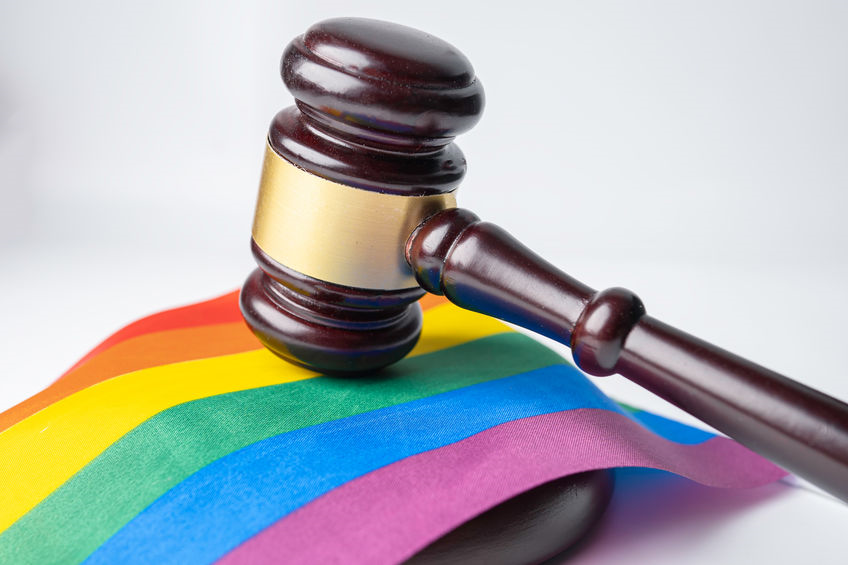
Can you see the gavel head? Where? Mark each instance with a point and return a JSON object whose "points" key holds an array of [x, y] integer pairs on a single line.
{"points": [[364, 155]]}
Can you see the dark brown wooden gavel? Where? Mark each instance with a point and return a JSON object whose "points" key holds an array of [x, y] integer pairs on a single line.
{"points": [[356, 219]]}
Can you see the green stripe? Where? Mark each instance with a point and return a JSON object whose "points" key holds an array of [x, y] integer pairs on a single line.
{"points": [[96, 502], [627, 408]]}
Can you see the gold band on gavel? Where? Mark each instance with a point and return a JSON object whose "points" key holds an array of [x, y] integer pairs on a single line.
{"points": [[338, 233]]}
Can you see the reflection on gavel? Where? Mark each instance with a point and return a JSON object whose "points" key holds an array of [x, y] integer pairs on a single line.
{"points": [[357, 218]]}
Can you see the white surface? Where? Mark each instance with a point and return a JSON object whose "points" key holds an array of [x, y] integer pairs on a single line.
{"points": [[693, 152]]}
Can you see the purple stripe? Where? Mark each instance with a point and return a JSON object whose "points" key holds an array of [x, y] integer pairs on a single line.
{"points": [[389, 514]]}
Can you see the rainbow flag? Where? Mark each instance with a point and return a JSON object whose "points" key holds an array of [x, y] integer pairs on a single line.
{"points": [[181, 440]]}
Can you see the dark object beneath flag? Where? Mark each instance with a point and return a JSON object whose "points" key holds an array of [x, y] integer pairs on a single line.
{"points": [[530, 528]]}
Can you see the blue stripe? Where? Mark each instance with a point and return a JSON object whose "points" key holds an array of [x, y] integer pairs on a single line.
{"points": [[239, 495], [671, 429]]}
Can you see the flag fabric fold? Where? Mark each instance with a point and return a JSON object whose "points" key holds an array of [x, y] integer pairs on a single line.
{"points": [[181, 440]]}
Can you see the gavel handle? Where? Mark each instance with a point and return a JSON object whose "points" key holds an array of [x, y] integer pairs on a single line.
{"points": [[480, 267]]}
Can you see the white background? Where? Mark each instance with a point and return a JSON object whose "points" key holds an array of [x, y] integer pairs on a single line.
{"points": [[695, 152]]}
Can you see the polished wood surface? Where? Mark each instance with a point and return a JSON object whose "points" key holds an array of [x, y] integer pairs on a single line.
{"points": [[318, 325], [529, 528], [378, 106], [479, 266]]}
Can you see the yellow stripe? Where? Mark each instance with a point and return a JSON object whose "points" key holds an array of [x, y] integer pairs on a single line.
{"points": [[40, 453]]}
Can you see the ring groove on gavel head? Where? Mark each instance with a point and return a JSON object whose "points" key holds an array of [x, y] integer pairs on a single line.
{"points": [[364, 155]]}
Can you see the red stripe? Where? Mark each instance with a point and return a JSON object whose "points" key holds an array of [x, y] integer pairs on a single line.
{"points": [[221, 310]]}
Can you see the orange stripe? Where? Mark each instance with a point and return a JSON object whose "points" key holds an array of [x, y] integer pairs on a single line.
{"points": [[431, 301], [160, 347], [221, 310]]}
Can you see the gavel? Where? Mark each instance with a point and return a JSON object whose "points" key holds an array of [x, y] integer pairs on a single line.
{"points": [[356, 219]]}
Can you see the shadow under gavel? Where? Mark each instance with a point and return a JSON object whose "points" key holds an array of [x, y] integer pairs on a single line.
{"points": [[357, 218]]}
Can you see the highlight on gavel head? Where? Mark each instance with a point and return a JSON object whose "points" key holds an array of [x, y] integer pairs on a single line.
{"points": [[363, 157]]}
